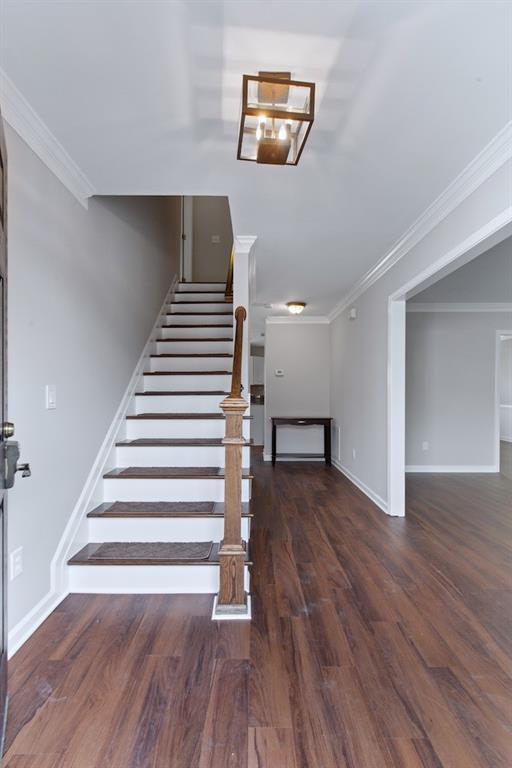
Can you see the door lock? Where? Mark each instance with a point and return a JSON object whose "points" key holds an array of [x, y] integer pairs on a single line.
{"points": [[7, 430], [11, 456]]}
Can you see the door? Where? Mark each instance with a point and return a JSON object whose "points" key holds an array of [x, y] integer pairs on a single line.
{"points": [[4, 433]]}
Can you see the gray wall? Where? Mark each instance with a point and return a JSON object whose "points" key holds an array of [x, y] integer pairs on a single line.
{"points": [[485, 279], [211, 216], [506, 371], [302, 351], [359, 373], [85, 287], [451, 388]]}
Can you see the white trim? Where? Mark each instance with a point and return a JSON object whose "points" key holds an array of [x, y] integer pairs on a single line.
{"points": [[447, 468], [30, 127], [220, 616], [492, 157], [396, 408], [505, 439], [59, 575], [378, 500], [474, 244], [34, 618], [505, 405], [288, 319], [462, 307], [244, 243]]}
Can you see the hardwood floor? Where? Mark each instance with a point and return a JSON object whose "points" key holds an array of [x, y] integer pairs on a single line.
{"points": [[375, 643]]}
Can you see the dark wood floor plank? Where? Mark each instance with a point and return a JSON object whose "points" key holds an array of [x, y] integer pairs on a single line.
{"points": [[375, 643]]}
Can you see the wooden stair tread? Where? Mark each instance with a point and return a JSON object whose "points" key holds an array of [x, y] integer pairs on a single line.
{"points": [[198, 325], [202, 301], [169, 473], [195, 341], [184, 293], [121, 509], [205, 314], [179, 416], [193, 354], [182, 392], [167, 442], [88, 555], [187, 373]]}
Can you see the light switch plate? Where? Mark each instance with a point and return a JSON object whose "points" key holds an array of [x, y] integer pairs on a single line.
{"points": [[216, 239], [51, 397], [16, 563]]}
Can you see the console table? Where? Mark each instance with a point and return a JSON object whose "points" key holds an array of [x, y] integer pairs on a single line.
{"points": [[278, 421]]}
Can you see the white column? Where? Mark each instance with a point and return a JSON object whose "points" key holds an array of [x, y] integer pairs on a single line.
{"points": [[243, 283]]}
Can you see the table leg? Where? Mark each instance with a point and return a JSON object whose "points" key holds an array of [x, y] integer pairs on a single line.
{"points": [[327, 444]]}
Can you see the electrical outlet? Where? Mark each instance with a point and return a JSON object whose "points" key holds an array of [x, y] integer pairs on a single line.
{"points": [[424, 445], [353, 453], [215, 239], [51, 397], [16, 563], [279, 372]]}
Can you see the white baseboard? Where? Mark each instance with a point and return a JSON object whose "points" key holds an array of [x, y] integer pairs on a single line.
{"points": [[506, 439], [34, 618], [378, 500], [59, 581], [456, 469]]}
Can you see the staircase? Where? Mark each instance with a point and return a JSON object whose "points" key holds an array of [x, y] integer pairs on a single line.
{"points": [[162, 517]]}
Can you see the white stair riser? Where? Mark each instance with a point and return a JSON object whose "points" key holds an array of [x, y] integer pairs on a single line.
{"points": [[166, 456], [200, 528], [196, 333], [146, 579], [195, 296], [178, 403], [191, 363], [174, 489], [179, 428], [199, 307], [195, 319], [218, 382], [193, 347], [201, 287]]}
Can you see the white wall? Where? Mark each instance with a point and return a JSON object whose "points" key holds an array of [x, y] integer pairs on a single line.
{"points": [[302, 351], [211, 216], [451, 390], [359, 373], [84, 290], [506, 389]]}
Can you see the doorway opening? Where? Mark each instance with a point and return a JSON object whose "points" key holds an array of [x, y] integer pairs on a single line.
{"points": [[481, 241]]}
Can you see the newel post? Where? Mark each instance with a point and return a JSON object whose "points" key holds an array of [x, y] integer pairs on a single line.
{"points": [[232, 602]]}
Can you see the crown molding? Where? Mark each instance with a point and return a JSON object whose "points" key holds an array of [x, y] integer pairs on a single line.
{"points": [[488, 161], [292, 319], [458, 307], [244, 243], [35, 133]]}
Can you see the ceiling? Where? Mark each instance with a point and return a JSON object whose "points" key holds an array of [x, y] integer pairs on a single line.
{"points": [[145, 97]]}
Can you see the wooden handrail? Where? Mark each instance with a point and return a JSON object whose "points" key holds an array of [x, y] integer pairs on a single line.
{"points": [[232, 598], [228, 294], [236, 375]]}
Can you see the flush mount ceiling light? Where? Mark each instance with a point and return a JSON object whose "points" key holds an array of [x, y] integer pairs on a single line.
{"points": [[277, 115], [295, 307]]}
